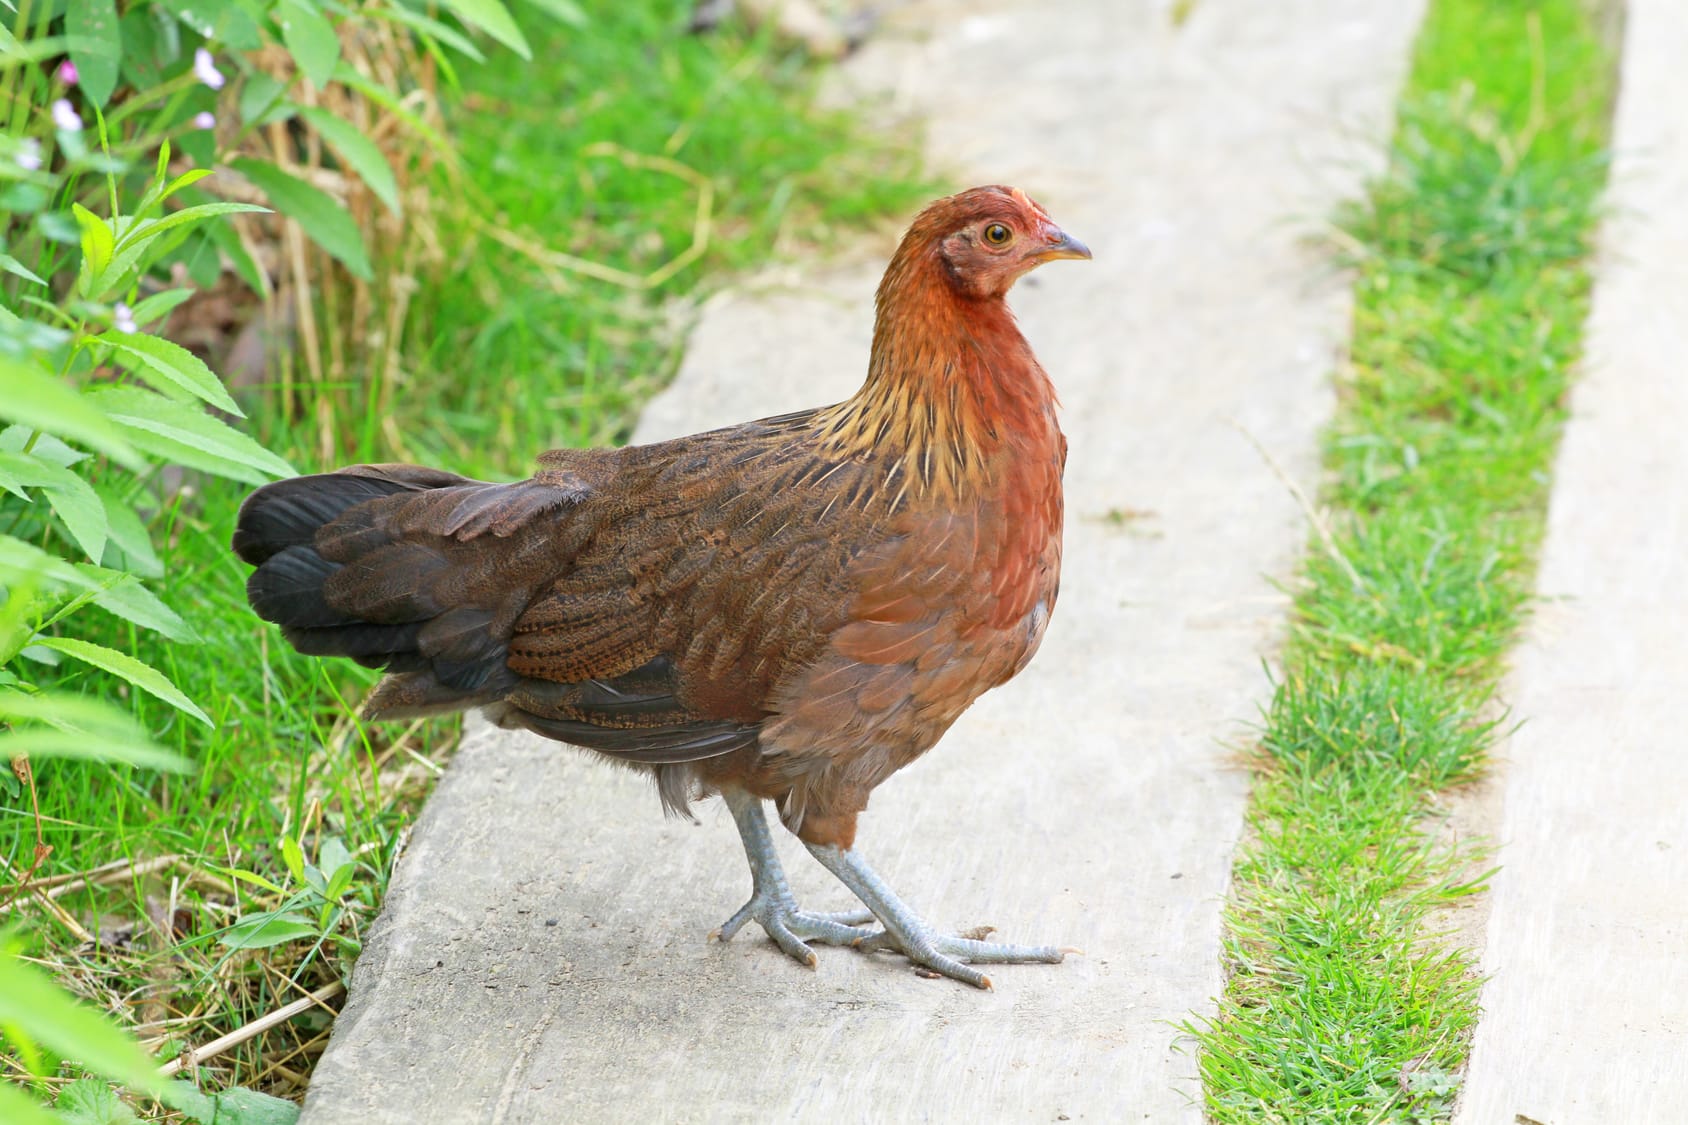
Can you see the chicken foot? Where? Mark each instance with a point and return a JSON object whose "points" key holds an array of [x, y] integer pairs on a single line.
{"points": [[771, 902], [774, 908], [907, 934]]}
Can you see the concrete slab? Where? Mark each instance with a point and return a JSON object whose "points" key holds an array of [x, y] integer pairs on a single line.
{"points": [[542, 954], [1585, 1017]]}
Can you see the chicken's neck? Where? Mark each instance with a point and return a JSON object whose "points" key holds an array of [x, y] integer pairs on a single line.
{"points": [[952, 388]]}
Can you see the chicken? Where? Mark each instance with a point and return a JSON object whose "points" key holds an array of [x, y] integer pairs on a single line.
{"points": [[786, 610]]}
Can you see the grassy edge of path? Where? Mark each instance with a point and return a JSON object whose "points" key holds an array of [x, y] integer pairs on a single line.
{"points": [[1471, 252]]}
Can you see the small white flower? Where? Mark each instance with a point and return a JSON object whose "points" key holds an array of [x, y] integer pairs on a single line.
{"points": [[123, 318], [204, 120], [65, 117], [205, 69], [28, 155]]}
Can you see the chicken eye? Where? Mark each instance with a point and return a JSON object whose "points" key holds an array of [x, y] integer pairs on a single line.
{"points": [[998, 235]]}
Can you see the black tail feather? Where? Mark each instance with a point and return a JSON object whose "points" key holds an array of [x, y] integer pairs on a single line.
{"points": [[424, 574], [289, 512], [294, 585], [287, 589]]}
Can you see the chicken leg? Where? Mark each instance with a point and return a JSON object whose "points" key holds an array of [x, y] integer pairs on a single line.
{"points": [[771, 902], [773, 906]]}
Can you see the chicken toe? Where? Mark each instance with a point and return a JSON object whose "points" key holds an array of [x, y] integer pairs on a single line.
{"points": [[907, 934]]}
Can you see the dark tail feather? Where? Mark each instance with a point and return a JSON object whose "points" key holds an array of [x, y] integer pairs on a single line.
{"points": [[416, 571], [287, 589], [294, 584], [289, 512]]}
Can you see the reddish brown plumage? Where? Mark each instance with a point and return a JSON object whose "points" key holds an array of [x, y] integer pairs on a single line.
{"points": [[795, 607]]}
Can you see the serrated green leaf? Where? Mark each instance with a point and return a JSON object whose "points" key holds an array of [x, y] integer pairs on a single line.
{"points": [[124, 666], [156, 359], [98, 243], [138, 236], [129, 599], [78, 507], [95, 46], [185, 434], [19, 471], [47, 1014], [264, 930], [24, 562], [89, 1101], [72, 499], [31, 471], [37, 399], [186, 179], [17, 269], [309, 37], [126, 530], [46, 447], [159, 305], [358, 152], [324, 221], [492, 17]]}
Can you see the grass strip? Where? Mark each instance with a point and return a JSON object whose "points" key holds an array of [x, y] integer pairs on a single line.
{"points": [[1471, 254]]}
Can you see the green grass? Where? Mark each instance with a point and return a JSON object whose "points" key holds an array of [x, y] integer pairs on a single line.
{"points": [[503, 359], [1343, 1004], [605, 160], [281, 759]]}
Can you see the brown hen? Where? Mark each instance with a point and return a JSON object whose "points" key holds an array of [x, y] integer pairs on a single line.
{"points": [[790, 609]]}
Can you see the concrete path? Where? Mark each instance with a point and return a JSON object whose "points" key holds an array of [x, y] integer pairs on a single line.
{"points": [[542, 955], [1586, 1012]]}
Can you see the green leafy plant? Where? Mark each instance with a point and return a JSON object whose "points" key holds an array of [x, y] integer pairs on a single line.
{"points": [[348, 147], [129, 399], [170, 69], [320, 898]]}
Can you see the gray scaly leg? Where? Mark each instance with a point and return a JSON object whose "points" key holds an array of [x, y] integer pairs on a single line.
{"points": [[907, 934], [771, 903]]}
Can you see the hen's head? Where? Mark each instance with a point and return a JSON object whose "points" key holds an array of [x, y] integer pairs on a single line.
{"points": [[986, 237]]}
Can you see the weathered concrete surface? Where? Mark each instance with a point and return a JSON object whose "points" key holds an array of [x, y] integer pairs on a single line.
{"points": [[1090, 802], [1585, 1017]]}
